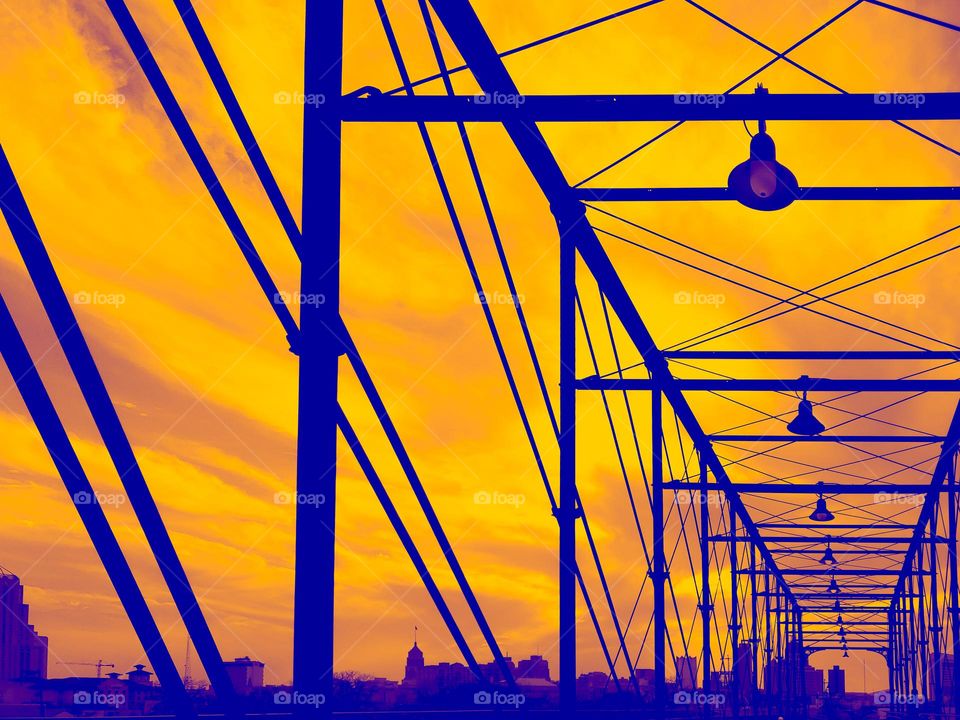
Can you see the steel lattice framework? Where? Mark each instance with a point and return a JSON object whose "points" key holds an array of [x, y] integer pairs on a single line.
{"points": [[763, 598]]}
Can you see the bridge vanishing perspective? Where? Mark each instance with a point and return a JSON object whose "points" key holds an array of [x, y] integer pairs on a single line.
{"points": [[815, 520]]}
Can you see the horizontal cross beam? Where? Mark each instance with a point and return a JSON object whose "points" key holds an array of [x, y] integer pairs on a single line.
{"points": [[714, 194], [831, 488], [904, 385], [836, 526], [823, 539], [819, 551], [827, 596], [818, 610], [501, 107], [813, 354], [836, 571], [828, 438]]}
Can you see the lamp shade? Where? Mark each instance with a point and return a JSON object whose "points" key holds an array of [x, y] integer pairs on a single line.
{"points": [[805, 423], [762, 183], [822, 514]]}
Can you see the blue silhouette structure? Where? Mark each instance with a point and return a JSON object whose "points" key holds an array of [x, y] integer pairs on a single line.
{"points": [[777, 613]]}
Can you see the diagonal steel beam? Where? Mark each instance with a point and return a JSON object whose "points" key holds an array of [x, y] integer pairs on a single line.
{"points": [[944, 463], [84, 368], [45, 417]]}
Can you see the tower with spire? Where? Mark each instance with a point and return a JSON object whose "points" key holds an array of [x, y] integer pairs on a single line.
{"points": [[414, 669]]}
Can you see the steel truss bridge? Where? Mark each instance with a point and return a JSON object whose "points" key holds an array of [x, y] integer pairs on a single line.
{"points": [[766, 595]]}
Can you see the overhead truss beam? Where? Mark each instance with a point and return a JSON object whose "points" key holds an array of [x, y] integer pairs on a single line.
{"points": [[509, 105]]}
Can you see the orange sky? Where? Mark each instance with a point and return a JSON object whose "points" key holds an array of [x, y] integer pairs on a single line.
{"points": [[198, 367]]}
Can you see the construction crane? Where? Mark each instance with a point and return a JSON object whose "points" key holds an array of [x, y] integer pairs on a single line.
{"points": [[99, 665], [187, 679]]}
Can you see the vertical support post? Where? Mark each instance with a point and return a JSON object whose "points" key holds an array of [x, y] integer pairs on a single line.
{"points": [[754, 637], [904, 650], [911, 617], [734, 616], [891, 655], [801, 663], [767, 655], [568, 217], [922, 629], [659, 558], [705, 601], [935, 625], [787, 655], [319, 348], [954, 580]]}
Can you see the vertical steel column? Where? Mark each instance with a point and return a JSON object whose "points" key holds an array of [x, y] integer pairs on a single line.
{"points": [[568, 217], [935, 626], [766, 674], [891, 654], [904, 646], [705, 600], [954, 580], [735, 616], [754, 637], [922, 627], [319, 349], [911, 617], [801, 663], [787, 655], [659, 574]]}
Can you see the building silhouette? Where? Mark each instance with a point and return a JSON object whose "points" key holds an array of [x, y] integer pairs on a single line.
{"points": [[944, 675], [534, 668], [532, 676], [245, 675], [686, 672], [23, 652], [813, 682], [836, 681]]}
